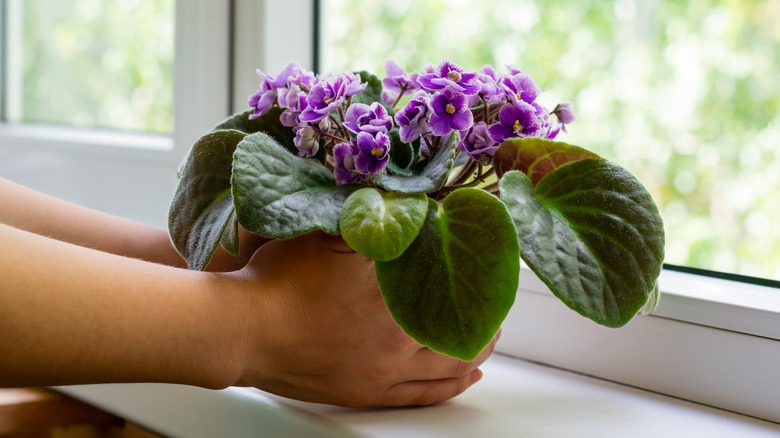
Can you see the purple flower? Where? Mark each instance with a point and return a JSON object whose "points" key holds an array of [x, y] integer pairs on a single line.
{"points": [[476, 141], [517, 120], [373, 152], [266, 96], [489, 87], [520, 87], [564, 111], [307, 140], [344, 163], [352, 84], [327, 95], [448, 74], [371, 119], [398, 81], [295, 104], [413, 118], [450, 111]]}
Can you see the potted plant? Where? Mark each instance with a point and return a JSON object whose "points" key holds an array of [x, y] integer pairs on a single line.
{"points": [[445, 178]]}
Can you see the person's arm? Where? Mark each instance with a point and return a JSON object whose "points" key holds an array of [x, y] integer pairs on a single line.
{"points": [[303, 319], [49, 216]]}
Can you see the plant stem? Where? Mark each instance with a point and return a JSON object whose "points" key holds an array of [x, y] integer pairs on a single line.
{"points": [[341, 125], [400, 95], [466, 172], [334, 137]]}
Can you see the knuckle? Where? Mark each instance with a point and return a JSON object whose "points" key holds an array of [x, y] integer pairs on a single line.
{"points": [[460, 368], [428, 396]]}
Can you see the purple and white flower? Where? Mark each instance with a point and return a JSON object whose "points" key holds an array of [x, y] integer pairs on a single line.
{"points": [[412, 120], [307, 140], [368, 118], [518, 120], [450, 112], [451, 75], [476, 141], [373, 152], [344, 163], [266, 97], [397, 82], [328, 95], [489, 84], [520, 87]]}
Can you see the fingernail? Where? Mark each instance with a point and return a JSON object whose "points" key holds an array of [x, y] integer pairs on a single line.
{"points": [[476, 376]]}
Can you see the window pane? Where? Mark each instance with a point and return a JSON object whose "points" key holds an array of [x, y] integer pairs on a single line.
{"points": [[683, 94], [92, 63]]}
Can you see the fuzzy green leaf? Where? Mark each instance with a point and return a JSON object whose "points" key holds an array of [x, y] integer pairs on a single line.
{"points": [[592, 233], [381, 225], [432, 178], [279, 194], [268, 123], [402, 155], [452, 288], [537, 157], [202, 207]]}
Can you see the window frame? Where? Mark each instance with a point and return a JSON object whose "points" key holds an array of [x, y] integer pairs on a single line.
{"points": [[201, 98]]}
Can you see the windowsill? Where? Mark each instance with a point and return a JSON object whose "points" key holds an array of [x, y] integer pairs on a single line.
{"points": [[90, 143], [515, 398]]}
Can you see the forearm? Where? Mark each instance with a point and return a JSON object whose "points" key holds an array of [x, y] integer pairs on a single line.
{"points": [[46, 215], [74, 315]]}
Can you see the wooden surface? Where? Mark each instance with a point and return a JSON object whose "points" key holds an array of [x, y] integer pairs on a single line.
{"points": [[36, 412]]}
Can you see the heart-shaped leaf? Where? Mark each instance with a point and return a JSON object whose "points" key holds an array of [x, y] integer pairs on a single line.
{"points": [[281, 195], [536, 157], [202, 207], [268, 123], [381, 225], [452, 288], [592, 233], [429, 180]]}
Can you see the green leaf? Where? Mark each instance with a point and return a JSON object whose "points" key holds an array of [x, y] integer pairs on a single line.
{"points": [[268, 123], [592, 233], [279, 194], [229, 239], [372, 93], [452, 288], [202, 206], [381, 225], [537, 157], [402, 155], [431, 179]]}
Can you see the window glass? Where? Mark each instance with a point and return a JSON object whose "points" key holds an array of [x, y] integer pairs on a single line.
{"points": [[683, 94], [92, 63]]}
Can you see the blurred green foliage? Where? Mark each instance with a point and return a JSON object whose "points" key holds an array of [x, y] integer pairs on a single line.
{"points": [[95, 63], [685, 94]]}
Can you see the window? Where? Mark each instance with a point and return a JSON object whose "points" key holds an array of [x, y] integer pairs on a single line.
{"points": [[136, 84], [682, 94], [124, 48]]}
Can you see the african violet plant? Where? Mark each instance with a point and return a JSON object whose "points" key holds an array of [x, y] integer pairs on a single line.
{"points": [[444, 178]]}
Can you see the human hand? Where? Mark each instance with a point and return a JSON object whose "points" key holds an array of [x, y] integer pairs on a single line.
{"points": [[248, 243], [333, 339]]}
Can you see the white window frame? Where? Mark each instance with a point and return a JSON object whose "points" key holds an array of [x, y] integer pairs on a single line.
{"points": [[201, 73]]}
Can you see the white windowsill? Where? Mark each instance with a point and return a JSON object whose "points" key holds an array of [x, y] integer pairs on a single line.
{"points": [[515, 398]]}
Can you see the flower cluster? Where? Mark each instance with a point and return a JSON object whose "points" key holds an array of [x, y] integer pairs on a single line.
{"points": [[484, 107]]}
